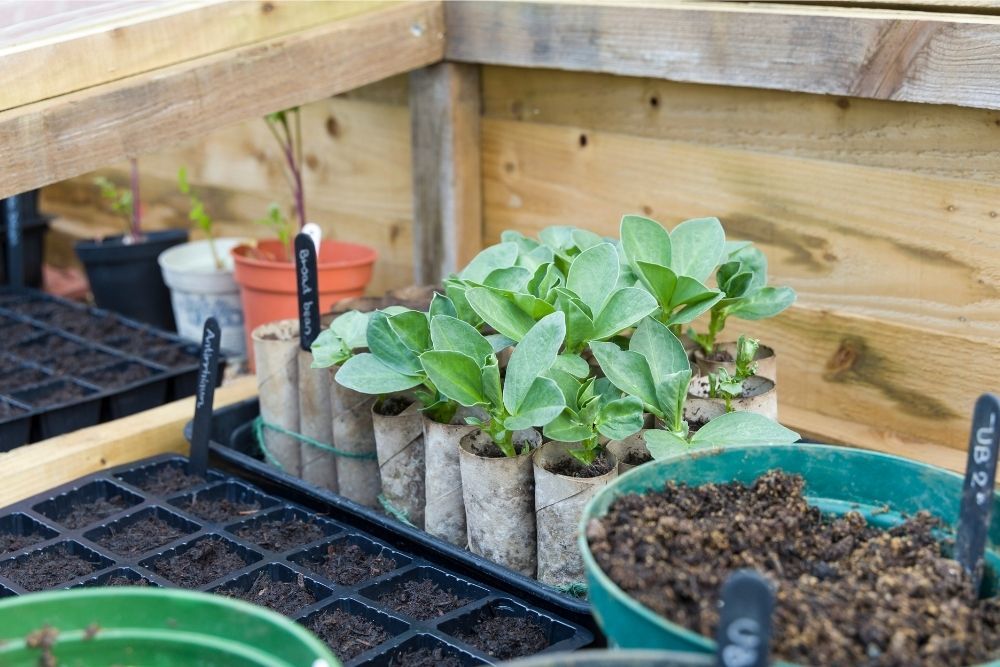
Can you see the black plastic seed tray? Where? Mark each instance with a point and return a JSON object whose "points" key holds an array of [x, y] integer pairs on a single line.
{"points": [[102, 522], [64, 366]]}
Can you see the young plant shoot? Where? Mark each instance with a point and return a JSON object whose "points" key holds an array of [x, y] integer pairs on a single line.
{"points": [[463, 367], [654, 369], [727, 430], [198, 215], [743, 279], [727, 387], [673, 266], [594, 407], [336, 344], [125, 202], [286, 128]]}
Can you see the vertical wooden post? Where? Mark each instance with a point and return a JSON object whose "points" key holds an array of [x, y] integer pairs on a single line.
{"points": [[447, 184]]}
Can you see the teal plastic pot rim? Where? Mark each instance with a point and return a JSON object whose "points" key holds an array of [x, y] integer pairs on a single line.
{"points": [[598, 505], [32, 607]]}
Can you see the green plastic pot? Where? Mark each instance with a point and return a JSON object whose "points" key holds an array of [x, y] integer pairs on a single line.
{"points": [[615, 658], [883, 488], [155, 627]]}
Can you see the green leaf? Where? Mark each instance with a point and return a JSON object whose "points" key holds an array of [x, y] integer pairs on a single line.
{"points": [[621, 418], [624, 309], [329, 350], [664, 444], [737, 285], [572, 364], [352, 327], [593, 274], [568, 385], [499, 342], [564, 428], [645, 240], [663, 352], [524, 244], [488, 260], [557, 237], [532, 357], [752, 259], [456, 292], [660, 280], [762, 303], [387, 346], [442, 305], [579, 326], [451, 333], [696, 247], [585, 239], [455, 375], [412, 329], [491, 383], [368, 375], [743, 428], [691, 311], [500, 313], [541, 404], [627, 370], [537, 258], [512, 278], [671, 393]]}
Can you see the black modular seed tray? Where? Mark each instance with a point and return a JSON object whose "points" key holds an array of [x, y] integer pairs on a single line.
{"points": [[53, 345], [125, 502]]}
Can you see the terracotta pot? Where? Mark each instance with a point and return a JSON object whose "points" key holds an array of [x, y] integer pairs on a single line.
{"points": [[759, 395], [267, 279], [767, 361]]}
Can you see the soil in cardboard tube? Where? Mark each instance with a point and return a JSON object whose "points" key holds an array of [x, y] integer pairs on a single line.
{"points": [[570, 467], [720, 354], [392, 406], [847, 593]]}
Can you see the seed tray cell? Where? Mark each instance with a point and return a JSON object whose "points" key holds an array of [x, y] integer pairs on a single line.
{"points": [[275, 530], [435, 650], [114, 358], [139, 498], [23, 571], [19, 531], [111, 536], [238, 553], [460, 588]]}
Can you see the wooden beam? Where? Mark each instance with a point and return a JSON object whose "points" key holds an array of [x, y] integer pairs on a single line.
{"points": [[32, 469], [113, 46], [875, 53], [447, 202], [68, 135]]}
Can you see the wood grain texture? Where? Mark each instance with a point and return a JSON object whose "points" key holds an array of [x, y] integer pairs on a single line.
{"points": [[32, 469], [356, 176], [897, 246], [110, 47], [908, 56], [48, 141], [936, 140], [447, 201]]}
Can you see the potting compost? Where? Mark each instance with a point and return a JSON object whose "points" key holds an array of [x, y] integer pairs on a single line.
{"points": [[848, 593]]}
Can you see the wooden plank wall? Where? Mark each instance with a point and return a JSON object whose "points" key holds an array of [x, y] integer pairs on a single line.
{"points": [[883, 215]]}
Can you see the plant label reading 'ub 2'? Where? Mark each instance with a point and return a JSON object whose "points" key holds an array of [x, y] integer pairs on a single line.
{"points": [[977, 493], [744, 635]]}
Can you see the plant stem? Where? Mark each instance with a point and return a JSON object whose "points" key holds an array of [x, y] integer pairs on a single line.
{"points": [[136, 232], [296, 167]]}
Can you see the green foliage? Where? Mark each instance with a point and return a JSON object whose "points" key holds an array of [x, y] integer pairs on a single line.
{"points": [[464, 368], [727, 430], [281, 225], [119, 199], [336, 344], [198, 215], [722, 384]]}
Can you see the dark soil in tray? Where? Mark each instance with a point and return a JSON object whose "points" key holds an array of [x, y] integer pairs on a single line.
{"points": [[56, 394], [140, 342], [347, 635], [90, 326], [171, 357], [13, 542], [169, 479], [425, 657], [219, 511], [119, 375], [392, 406], [422, 599], [7, 411], [206, 561], [573, 468], [95, 510], [46, 347], [46, 569], [280, 534], [848, 593], [122, 581], [284, 597], [139, 537], [505, 637], [82, 361], [15, 332], [348, 565], [21, 377]]}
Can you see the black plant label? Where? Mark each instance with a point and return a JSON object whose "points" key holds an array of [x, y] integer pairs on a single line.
{"points": [[977, 492], [307, 282], [744, 635], [208, 375], [15, 256]]}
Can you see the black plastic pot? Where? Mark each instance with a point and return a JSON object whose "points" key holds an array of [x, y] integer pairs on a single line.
{"points": [[45, 518], [32, 226], [126, 279]]}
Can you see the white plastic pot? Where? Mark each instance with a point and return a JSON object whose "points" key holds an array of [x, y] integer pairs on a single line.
{"points": [[199, 290]]}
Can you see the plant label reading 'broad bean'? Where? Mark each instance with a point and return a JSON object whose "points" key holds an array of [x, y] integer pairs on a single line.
{"points": [[308, 289], [977, 492]]}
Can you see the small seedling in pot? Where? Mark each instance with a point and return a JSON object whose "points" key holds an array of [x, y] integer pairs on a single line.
{"points": [[463, 367], [125, 202], [198, 215], [594, 408], [286, 128], [279, 224], [726, 386], [743, 279]]}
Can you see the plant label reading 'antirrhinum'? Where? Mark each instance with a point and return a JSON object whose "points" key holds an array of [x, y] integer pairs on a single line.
{"points": [[977, 492], [744, 634], [208, 375], [15, 258], [307, 283]]}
